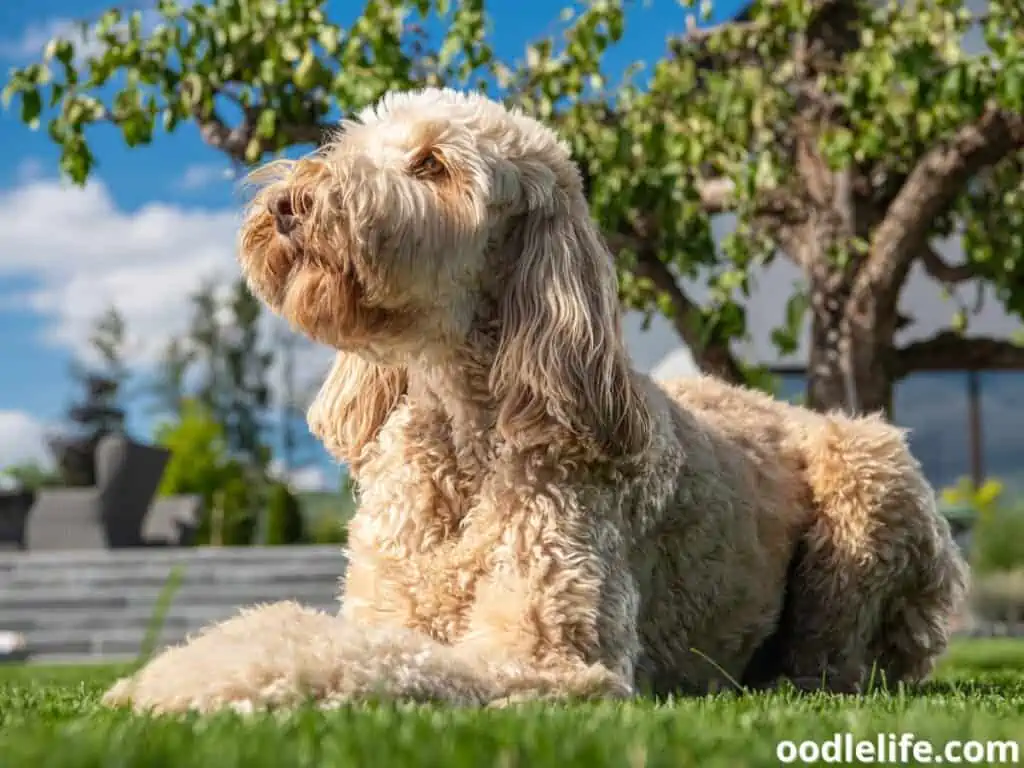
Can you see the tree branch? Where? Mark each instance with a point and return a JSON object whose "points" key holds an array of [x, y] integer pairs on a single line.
{"points": [[315, 133], [715, 357], [933, 185], [830, 34], [233, 140], [696, 45], [939, 269], [949, 351]]}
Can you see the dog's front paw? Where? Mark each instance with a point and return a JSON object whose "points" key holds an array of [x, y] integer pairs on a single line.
{"points": [[519, 683], [263, 658]]}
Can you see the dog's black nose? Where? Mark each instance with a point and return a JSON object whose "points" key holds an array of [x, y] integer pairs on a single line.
{"points": [[283, 211]]}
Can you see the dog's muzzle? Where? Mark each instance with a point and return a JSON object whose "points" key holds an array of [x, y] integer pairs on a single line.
{"points": [[287, 208]]}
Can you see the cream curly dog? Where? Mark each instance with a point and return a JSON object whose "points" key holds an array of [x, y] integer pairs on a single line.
{"points": [[537, 519]]}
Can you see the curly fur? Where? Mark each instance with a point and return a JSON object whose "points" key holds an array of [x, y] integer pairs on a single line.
{"points": [[536, 519]]}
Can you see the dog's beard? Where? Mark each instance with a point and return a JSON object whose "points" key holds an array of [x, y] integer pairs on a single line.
{"points": [[329, 305], [323, 304], [322, 299], [319, 285], [267, 259]]}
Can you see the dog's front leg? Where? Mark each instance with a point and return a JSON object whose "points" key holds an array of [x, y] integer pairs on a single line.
{"points": [[555, 614], [284, 655]]}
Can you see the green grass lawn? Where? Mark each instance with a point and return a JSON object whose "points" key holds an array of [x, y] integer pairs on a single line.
{"points": [[49, 718]]}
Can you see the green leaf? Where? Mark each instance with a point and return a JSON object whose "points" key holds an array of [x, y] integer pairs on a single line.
{"points": [[76, 163], [291, 51], [31, 107], [267, 124], [305, 72], [1013, 86], [784, 342], [253, 151], [330, 38], [959, 321], [796, 310], [9, 90]]}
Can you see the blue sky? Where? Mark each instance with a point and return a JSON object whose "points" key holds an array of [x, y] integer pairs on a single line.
{"points": [[153, 222]]}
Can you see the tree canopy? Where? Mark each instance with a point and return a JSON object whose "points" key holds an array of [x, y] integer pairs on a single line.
{"points": [[843, 135]]}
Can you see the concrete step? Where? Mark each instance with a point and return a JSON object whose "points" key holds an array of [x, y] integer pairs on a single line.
{"points": [[78, 659], [78, 620], [113, 642], [169, 555], [131, 596], [125, 639], [98, 605], [157, 574]]}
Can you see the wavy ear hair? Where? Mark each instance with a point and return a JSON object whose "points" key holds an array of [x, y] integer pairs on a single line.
{"points": [[352, 404], [561, 362]]}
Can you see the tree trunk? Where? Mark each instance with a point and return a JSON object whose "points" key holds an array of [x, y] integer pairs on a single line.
{"points": [[847, 371], [848, 367]]}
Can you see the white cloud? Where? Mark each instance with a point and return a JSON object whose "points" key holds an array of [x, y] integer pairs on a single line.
{"points": [[33, 39], [83, 254], [29, 44], [198, 176], [86, 254], [29, 169], [22, 440]]}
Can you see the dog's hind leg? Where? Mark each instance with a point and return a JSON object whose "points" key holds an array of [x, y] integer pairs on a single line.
{"points": [[878, 577]]}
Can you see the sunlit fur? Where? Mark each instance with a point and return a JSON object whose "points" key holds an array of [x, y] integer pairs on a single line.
{"points": [[536, 519]]}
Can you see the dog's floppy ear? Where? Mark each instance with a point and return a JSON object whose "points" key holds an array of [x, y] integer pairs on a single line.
{"points": [[560, 361], [352, 404]]}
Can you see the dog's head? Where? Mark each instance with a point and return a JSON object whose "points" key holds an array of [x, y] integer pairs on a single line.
{"points": [[435, 213]]}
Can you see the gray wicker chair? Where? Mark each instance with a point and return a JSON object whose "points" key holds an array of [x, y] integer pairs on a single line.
{"points": [[172, 521], [14, 509], [111, 514]]}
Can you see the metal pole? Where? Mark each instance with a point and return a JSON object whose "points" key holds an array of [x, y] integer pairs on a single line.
{"points": [[975, 428]]}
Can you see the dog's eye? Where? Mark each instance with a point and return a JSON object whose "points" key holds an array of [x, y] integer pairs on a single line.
{"points": [[427, 165]]}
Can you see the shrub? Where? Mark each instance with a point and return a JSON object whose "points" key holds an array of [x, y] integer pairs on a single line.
{"points": [[284, 517], [998, 540], [230, 521], [984, 499], [200, 463], [999, 597], [329, 529], [997, 527]]}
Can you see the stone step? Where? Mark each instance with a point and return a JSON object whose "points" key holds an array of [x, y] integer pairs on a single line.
{"points": [[99, 605], [179, 615], [125, 638], [156, 574], [130, 595], [57, 659], [109, 643], [130, 558]]}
